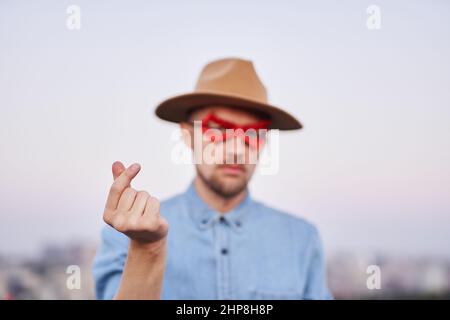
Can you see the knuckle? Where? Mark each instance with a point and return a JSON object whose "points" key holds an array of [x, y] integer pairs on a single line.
{"points": [[115, 188], [144, 194], [107, 217], [120, 224], [154, 204], [129, 190]]}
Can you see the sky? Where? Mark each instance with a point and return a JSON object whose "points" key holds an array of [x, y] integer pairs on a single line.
{"points": [[371, 168]]}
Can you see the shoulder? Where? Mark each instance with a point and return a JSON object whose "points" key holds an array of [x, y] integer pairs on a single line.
{"points": [[172, 204], [174, 209], [287, 221], [174, 200]]}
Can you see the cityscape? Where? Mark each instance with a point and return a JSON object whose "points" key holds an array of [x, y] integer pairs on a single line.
{"points": [[46, 276]]}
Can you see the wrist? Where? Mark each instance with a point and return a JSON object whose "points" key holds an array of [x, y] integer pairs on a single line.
{"points": [[148, 248]]}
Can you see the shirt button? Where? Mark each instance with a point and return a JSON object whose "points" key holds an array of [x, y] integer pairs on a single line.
{"points": [[204, 221], [222, 219], [224, 251], [238, 223]]}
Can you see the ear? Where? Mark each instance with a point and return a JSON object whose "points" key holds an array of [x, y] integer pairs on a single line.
{"points": [[187, 134]]}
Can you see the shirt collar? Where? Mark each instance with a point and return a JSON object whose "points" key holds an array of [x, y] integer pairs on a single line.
{"points": [[205, 217]]}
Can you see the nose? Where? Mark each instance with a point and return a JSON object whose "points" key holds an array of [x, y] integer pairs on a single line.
{"points": [[235, 149]]}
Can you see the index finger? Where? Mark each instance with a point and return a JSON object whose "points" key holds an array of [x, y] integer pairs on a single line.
{"points": [[121, 182]]}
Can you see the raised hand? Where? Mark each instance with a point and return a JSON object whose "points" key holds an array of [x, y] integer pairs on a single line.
{"points": [[134, 213]]}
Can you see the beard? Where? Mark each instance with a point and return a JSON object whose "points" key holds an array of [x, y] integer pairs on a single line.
{"points": [[220, 187]]}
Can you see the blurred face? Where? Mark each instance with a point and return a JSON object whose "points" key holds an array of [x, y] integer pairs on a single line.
{"points": [[229, 160]]}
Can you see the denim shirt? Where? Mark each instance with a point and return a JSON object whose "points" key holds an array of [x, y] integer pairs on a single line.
{"points": [[251, 252]]}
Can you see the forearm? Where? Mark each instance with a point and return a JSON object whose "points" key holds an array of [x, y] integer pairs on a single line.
{"points": [[143, 272]]}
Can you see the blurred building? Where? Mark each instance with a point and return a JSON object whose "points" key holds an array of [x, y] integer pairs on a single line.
{"points": [[401, 277], [45, 277]]}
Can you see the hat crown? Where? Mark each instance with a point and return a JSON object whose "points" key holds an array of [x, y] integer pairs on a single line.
{"points": [[232, 76]]}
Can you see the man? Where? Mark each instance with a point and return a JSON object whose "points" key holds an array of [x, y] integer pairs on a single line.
{"points": [[222, 244]]}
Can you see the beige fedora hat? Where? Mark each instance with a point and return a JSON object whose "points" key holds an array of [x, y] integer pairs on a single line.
{"points": [[227, 82]]}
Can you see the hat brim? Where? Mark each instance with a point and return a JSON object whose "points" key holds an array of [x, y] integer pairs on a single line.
{"points": [[176, 109]]}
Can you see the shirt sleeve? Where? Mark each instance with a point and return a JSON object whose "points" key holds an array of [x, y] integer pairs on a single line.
{"points": [[109, 263], [316, 282]]}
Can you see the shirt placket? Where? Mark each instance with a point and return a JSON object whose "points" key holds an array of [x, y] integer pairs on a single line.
{"points": [[223, 259]]}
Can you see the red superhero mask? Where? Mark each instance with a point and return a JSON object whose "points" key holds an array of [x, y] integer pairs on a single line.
{"points": [[251, 133]]}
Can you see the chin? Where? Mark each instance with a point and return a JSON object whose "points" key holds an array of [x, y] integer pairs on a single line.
{"points": [[233, 184]]}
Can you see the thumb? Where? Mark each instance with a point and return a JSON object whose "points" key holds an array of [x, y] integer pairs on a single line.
{"points": [[117, 169]]}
